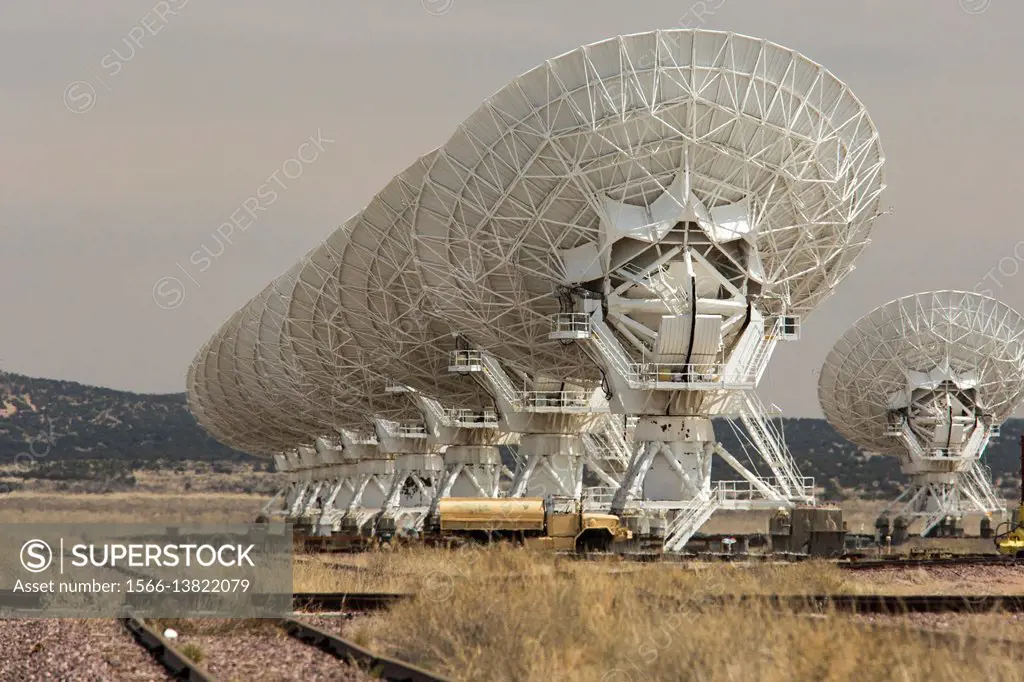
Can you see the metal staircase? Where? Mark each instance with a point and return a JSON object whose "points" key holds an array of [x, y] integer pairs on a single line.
{"points": [[948, 503], [500, 380], [979, 478], [609, 444], [610, 350], [769, 444], [758, 362], [977, 441], [690, 518], [910, 439], [676, 300]]}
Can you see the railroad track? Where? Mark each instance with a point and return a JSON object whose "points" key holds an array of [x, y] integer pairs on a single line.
{"points": [[912, 561], [176, 663], [345, 650], [661, 557], [938, 637], [852, 603], [854, 564], [346, 601], [876, 603], [182, 667]]}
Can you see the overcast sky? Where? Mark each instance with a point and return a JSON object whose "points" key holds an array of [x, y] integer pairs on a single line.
{"points": [[131, 129]]}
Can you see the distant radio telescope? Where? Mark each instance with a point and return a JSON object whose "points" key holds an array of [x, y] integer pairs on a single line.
{"points": [[929, 378]]}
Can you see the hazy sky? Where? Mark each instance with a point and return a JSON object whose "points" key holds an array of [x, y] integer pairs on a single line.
{"points": [[131, 129]]}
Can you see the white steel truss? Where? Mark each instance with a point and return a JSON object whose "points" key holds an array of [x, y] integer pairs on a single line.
{"points": [[928, 378], [691, 193]]}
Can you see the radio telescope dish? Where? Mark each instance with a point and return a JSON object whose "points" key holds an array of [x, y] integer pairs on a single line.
{"points": [[676, 201], [242, 390], [608, 159], [929, 378]]}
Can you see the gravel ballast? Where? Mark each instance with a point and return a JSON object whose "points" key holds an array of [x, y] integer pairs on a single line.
{"points": [[72, 650], [259, 650]]}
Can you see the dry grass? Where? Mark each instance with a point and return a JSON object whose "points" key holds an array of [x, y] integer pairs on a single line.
{"points": [[415, 569], [180, 478], [500, 614], [191, 508], [412, 569]]}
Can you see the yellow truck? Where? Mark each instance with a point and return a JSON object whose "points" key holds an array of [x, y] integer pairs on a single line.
{"points": [[1011, 542], [532, 521]]}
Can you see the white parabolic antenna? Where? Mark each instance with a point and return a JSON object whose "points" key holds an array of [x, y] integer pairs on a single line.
{"points": [[671, 201], [683, 162], [675, 200], [929, 378]]}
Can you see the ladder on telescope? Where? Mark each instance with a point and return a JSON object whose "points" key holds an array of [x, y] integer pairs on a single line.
{"points": [[978, 479], [610, 444], [500, 380], [767, 442], [762, 354], [655, 281], [910, 440], [690, 519]]}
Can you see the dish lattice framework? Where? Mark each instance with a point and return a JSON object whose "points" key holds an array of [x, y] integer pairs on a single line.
{"points": [[316, 352], [929, 378], [760, 160], [591, 164], [975, 340]]}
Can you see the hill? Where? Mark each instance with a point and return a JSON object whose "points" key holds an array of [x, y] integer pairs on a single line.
{"points": [[64, 424], [844, 471], [65, 420]]}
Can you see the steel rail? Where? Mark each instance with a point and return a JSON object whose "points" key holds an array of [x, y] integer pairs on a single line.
{"points": [[177, 663], [874, 603], [910, 562], [383, 667], [848, 563], [934, 637], [346, 601], [854, 603]]}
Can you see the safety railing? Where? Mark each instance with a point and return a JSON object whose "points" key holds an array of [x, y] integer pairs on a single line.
{"points": [[665, 373], [655, 280], [743, 490], [466, 418], [690, 518], [465, 361], [609, 349], [555, 399], [979, 480], [762, 354], [411, 431], [770, 443], [570, 326], [598, 497]]}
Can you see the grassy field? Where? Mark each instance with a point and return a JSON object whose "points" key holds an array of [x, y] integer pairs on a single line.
{"points": [[191, 508], [180, 478], [506, 614], [503, 613], [415, 569]]}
